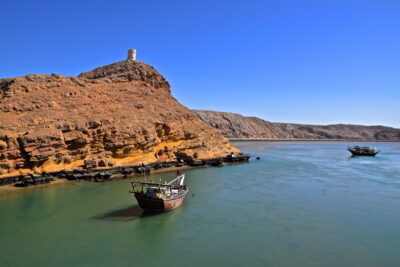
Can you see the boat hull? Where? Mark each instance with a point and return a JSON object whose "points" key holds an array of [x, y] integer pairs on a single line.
{"points": [[158, 204], [358, 153]]}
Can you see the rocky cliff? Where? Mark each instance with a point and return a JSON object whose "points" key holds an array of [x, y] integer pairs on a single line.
{"points": [[234, 126], [117, 114]]}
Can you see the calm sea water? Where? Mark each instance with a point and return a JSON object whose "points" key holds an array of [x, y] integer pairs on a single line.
{"points": [[303, 204]]}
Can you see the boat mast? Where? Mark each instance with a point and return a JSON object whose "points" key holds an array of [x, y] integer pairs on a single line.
{"points": [[181, 177], [144, 172]]}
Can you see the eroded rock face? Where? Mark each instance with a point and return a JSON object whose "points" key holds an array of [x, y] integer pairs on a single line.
{"points": [[234, 125], [119, 114]]}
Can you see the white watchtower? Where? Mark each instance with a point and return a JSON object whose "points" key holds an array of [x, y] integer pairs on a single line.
{"points": [[131, 54]]}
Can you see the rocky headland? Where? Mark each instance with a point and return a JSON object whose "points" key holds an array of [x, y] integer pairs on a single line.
{"points": [[236, 126], [116, 115]]}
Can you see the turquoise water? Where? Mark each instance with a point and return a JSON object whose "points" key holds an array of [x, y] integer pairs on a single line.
{"points": [[303, 204]]}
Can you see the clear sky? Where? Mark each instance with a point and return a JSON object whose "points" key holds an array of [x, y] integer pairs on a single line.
{"points": [[316, 62]]}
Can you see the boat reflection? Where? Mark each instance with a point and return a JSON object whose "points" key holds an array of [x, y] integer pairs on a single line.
{"points": [[125, 214]]}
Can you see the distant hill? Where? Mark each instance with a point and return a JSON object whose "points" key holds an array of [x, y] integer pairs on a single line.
{"points": [[236, 126]]}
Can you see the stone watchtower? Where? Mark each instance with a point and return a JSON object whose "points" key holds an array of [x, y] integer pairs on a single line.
{"points": [[131, 54]]}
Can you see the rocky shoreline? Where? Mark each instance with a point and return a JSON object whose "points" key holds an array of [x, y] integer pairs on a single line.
{"points": [[103, 174]]}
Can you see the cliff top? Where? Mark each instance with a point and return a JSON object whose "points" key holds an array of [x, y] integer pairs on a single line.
{"points": [[122, 71], [127, 70]]}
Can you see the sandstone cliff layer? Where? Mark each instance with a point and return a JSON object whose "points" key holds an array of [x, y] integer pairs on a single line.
{"points": [[118, 114], [234, 126]]}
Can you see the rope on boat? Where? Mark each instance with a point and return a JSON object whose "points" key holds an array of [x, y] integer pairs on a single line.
{"points": [[182, 177]]}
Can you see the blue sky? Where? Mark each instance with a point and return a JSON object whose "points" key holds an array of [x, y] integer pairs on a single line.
{"points": [[317, 62]]}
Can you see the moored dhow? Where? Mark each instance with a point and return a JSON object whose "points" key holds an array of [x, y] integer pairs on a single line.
{"points": [[363, 151], [158, 197]]}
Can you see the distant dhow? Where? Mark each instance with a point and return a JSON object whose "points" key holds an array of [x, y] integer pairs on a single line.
{"points": [[363, 151]]}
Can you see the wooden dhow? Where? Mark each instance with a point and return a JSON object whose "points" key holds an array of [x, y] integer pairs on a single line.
{"points": [[363, 151], [158, 197]]}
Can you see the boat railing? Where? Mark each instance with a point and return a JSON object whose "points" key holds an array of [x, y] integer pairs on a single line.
{"points": [[141, 186], [362, 148]]}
